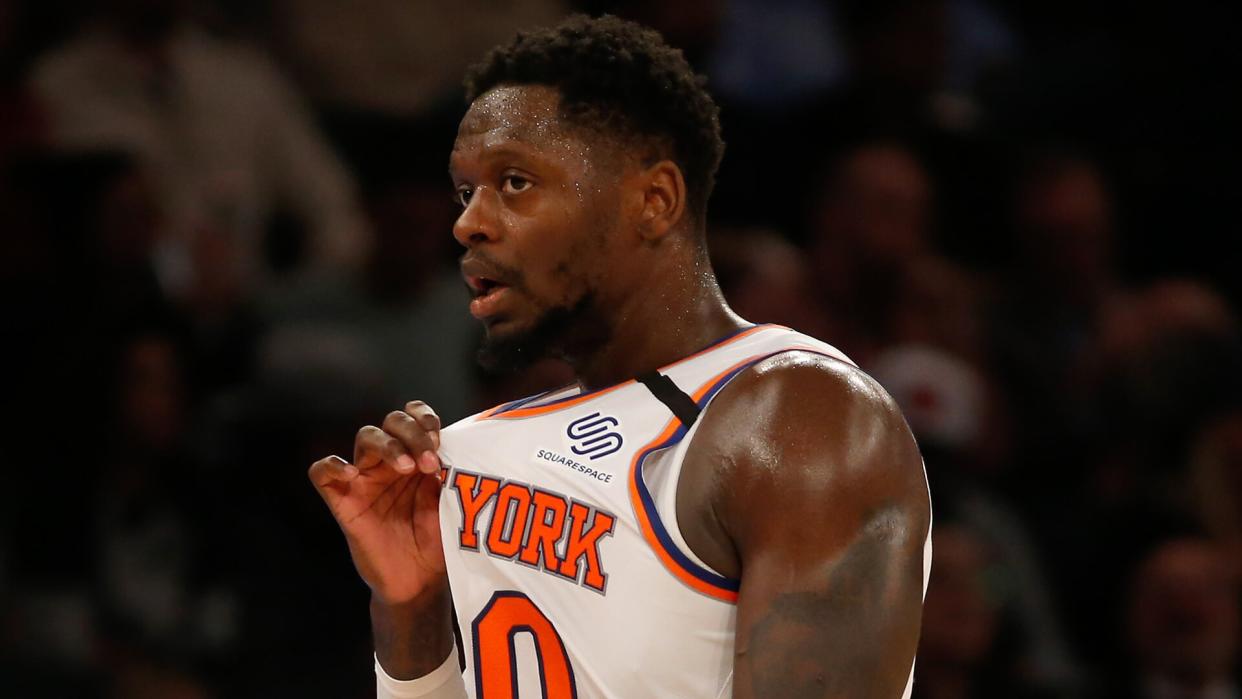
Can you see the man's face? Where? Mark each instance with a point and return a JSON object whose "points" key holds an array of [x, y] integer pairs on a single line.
{"points": [[1183, 614], [541, 203]]}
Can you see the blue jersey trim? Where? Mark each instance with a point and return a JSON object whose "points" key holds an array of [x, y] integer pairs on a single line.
{"points": [[653, 516]]}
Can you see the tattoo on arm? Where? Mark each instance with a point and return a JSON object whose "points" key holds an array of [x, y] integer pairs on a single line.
{"points": [[831, 641]]}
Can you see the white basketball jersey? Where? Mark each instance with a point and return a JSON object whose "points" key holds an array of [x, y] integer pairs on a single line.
{"points": [[569, 574]]}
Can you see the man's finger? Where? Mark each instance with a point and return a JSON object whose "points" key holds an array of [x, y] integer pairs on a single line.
{"points": [[374, 446], [331, 469], [428, 462], [426, 418], [412, 435]]}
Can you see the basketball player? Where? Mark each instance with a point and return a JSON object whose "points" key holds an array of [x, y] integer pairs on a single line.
{"points": [[713, 509]]}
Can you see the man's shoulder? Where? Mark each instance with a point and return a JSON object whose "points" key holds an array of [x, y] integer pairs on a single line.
{"points": [[803, 442], [802, 413], [805, 381]]}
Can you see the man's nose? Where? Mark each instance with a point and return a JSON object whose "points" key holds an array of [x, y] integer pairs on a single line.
{"points": [[477, 223]]}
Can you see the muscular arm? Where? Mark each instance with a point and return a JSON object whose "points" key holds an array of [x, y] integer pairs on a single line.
{"points": [[820, 491]]}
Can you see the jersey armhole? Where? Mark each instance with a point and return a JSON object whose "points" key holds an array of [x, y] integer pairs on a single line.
{"points": [[657, 511], [666, 503]]}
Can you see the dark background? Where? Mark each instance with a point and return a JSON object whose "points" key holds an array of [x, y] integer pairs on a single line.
{"points": [[226, 247]]}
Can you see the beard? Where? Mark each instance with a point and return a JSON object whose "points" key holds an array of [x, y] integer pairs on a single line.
{"points": [[551, 335]]}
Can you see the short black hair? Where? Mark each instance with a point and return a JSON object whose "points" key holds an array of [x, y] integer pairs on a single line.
{"points": [[617, 76]]}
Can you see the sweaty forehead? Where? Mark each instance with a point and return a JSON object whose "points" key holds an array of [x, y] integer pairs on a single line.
{"points": [[523, 113]]}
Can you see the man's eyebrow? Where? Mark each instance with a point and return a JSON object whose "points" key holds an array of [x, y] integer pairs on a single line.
{"points": [[508, 147]]}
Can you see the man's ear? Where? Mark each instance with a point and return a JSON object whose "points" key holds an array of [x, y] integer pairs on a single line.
{"points": [[663, 199]]}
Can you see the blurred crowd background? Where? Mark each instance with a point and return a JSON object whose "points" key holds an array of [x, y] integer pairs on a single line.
{"points": [[226, 246]]}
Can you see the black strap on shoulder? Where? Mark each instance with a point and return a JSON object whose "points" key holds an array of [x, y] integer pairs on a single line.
{"points": [[667, 392]]}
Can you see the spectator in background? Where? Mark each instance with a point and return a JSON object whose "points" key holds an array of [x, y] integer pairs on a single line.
{"points": [[933, 361], [21, 119], [788, 52], [1047, 316], [1163, 360], [1216, 480], [923, 59], [80, 228], [1065, 235], [938, 303], [401, 328], [872, 218], [765, 277], [930, 354], [395, 57], [1181, 624], [123, 569], [934, 367], [23, 252], [164, 579], [836, 72], [776, 54], [97, 218], [98, 212], [962, 647], [219, 133], [899, 49], [1169, 357]]}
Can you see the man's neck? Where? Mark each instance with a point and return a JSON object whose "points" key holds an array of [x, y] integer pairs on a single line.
{"points": [[678, 313]]}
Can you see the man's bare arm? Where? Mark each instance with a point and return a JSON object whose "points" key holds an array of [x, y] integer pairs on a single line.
{"points": [[852, 636], [387, 505], [823, 496]]}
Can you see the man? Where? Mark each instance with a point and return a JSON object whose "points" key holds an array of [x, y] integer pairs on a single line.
{"points": [[1181, 623], [222, 136], [712, 509]]}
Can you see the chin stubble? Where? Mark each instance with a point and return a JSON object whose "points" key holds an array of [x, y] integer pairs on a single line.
{"points": [[554, 334]]}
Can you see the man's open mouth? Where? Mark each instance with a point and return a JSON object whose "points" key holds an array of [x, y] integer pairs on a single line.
{"points": [[483, 286]]}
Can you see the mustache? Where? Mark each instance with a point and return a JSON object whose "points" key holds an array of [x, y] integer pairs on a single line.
{"points": [[482, 265]]}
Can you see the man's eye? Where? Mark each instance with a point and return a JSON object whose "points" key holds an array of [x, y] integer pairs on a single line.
{"points": [[514, 184], [462, 196]]}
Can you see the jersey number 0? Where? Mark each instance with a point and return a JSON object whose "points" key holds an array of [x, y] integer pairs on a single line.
{"points": [[495, 662]]}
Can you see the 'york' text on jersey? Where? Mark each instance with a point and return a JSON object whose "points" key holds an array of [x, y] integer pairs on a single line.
{"points": [[535, 527]]}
